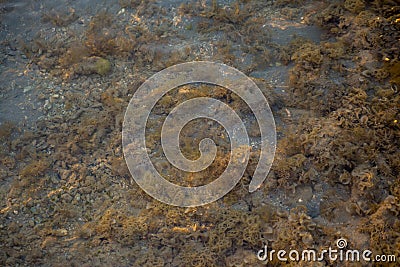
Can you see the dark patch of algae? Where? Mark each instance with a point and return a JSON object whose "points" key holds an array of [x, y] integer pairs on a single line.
{"points": [[70, 202]]}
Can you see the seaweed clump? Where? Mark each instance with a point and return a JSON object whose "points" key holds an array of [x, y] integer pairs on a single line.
{"points": [[92, 52], [355, 6], [121, 228], [60, 18], [351, 145]]}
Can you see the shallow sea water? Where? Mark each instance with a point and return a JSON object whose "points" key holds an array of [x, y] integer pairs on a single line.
{"points": [[68, 70]]}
